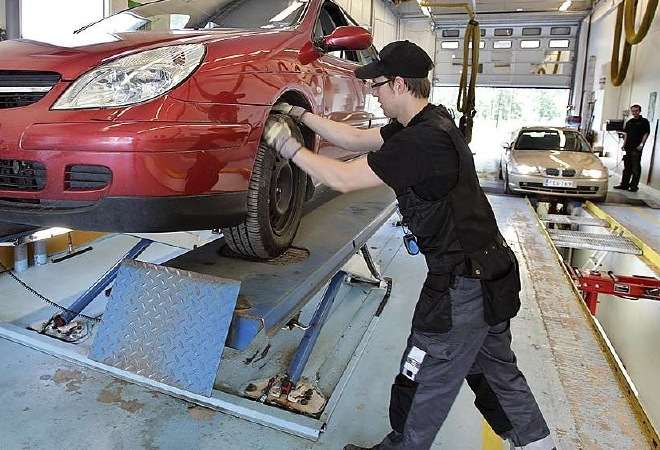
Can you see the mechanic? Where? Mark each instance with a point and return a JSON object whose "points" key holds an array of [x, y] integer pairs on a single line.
{"points": [[460, 328], [637, 131]]}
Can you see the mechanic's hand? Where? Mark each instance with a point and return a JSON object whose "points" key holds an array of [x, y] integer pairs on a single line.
{"points": [[278, 137], [295, 112]]}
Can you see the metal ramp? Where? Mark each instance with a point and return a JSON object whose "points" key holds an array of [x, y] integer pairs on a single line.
{"points": [[574, 220], [593, 241], [271, 295]]}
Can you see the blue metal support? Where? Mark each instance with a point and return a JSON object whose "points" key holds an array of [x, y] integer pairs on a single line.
{"points": [[308, 341], [79, 305]]}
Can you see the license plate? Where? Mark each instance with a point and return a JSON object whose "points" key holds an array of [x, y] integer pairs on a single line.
{"points": [[550, 182]]}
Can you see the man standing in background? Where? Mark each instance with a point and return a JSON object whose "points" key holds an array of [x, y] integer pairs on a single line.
{"points": [[637, 131]]}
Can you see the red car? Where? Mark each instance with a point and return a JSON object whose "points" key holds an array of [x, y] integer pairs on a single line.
{"points": [[151, 120]]}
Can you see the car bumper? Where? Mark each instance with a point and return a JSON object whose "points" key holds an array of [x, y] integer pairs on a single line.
{"points": [[534, 184], [132, 214]]}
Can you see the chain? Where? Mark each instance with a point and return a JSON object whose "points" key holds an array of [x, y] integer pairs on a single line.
{"points": [[4, 269]]}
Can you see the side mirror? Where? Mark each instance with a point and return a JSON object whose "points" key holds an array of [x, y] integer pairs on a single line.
{"points": [[342, 38]]}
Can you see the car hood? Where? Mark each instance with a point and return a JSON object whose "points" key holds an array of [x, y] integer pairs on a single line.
{"points": [[557, 159], [80, 53]]}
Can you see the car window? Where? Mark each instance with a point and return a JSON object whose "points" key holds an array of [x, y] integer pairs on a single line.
{"points": [[551, 139], [168, 15], [331, 17]]}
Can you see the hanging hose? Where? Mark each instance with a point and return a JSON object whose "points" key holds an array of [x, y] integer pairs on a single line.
{"points": [[629, 24], [618, 72], [466, 91]]}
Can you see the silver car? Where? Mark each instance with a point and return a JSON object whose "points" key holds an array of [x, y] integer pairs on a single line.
{"points": [[549, 161]]}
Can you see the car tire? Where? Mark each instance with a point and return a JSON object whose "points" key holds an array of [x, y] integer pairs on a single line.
{"points": [[274, 203], [507, 190]]}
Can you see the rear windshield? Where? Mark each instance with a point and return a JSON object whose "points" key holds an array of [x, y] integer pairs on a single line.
{"points": [[169, 15], [567, 141]]}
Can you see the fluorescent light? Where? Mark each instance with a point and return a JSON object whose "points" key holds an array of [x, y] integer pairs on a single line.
{"points": [[564, 6], [425, 9]]}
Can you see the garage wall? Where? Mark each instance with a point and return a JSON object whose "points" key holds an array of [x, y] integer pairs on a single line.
{"points": [[642, 80], [3, 23], [376, 16]]}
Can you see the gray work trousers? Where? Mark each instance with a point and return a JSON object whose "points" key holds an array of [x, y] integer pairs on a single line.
{"points": [[436, 364]]}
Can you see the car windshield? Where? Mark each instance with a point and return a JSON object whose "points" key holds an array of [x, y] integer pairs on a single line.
{"points": [[169, 15], [553, 139]]}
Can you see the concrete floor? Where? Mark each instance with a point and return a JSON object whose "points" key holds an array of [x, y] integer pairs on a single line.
{"points": [[48, 403]]}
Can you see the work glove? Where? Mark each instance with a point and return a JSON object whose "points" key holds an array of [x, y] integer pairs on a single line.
{"points": [[295, 112], [278, 137]]}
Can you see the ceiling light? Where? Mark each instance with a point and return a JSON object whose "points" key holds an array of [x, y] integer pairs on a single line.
{"points": [[564, 6], [425, 9]]}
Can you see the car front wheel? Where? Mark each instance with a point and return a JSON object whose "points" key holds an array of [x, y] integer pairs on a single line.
{"points": [[274, 206]]}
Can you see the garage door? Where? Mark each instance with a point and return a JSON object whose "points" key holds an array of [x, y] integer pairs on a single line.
{"points": [[520, 55]]}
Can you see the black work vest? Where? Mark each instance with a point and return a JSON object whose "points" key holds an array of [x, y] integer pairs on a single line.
{"points": [[458, 224], [458, 235]]}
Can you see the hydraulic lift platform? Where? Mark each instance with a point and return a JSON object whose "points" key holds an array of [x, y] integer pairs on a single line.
{"points": [[273, 295]]}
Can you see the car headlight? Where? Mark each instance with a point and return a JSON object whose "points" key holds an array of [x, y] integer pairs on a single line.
{"points": [[524, 169], [592, 173], [133, 79]]}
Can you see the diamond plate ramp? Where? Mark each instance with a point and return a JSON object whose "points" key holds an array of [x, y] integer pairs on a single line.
{"points": [[166, 324]]}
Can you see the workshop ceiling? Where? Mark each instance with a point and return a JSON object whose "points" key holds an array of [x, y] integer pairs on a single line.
{"points": [[408, 9]]}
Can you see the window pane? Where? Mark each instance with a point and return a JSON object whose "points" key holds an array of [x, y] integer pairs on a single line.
{"points": [[559, 43], [502, 44], [503, 32], [560, 31], [530, 44], [531, 32], [482, 44], [449, 45], [450, 33], [482, 31]]}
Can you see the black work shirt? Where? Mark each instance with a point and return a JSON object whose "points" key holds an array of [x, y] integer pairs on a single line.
{"points": [[420, 155], [635, 130]]}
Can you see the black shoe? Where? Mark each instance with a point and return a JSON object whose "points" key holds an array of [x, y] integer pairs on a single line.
{"points": [[621, 186], [633, 189], [355, 447]]}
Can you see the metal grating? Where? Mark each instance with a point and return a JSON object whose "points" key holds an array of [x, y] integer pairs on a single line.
{"points": [[593, 241], [574, 220], [21, 175], [86, 177], [166, 324]]}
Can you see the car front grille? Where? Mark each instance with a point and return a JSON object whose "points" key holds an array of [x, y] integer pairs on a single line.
{"points": [[86, 177], [580, 190], [552, 172], [21, 87], [20, 175], [568, 172]]}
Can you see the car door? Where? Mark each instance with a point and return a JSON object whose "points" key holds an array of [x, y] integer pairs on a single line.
{"points": [[343, 95]]}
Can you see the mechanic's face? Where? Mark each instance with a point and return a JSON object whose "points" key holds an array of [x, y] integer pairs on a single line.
{"points": [[382, 89], [635, 112]]}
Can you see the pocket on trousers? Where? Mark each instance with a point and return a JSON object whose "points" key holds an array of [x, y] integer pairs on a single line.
{"points": [[501, 295], [433, 309]]}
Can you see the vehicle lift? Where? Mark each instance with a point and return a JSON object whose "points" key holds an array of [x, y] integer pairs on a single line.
{"points": [[165, 326], [593, 282]]}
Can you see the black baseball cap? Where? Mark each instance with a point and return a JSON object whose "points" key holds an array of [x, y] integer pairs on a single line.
{"points": [[400, 58]]}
